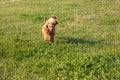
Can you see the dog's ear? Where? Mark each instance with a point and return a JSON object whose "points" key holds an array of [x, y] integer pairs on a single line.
{"points": [[56, 22], [55, 17], [46, 23]]}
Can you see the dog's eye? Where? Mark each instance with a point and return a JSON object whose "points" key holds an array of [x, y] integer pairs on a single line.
{"points": [[54, 23]]}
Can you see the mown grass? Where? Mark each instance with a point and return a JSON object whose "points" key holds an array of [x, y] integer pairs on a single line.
{"points": [[86, 44]]}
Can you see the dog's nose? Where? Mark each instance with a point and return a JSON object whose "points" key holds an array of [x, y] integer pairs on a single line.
{"points": [[51, 28]]}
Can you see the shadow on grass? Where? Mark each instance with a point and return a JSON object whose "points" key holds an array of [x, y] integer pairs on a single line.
{"points": [[79, 40]]}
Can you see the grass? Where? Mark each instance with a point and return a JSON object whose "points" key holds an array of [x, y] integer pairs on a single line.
{"points": [[86, 44]]}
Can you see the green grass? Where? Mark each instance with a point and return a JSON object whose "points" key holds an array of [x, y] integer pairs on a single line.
{"points": [[86, 47]]}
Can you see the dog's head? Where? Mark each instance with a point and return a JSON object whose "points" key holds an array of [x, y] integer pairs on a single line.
{"points": [[51, 23]]}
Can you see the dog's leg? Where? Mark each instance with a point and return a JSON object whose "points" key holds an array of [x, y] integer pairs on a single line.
{"points": [[52, 38], [48, 38]]}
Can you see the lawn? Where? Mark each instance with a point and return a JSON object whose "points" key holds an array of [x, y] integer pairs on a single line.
{"points": [[86, 47]]}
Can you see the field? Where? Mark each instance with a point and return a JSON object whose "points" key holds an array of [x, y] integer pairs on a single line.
{"points": [[86, 47]]}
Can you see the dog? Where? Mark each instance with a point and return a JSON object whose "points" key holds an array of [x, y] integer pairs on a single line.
{"points": [[48, 29]]}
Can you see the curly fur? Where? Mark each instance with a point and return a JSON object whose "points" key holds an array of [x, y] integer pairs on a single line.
{"points": [[48, 29]]}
